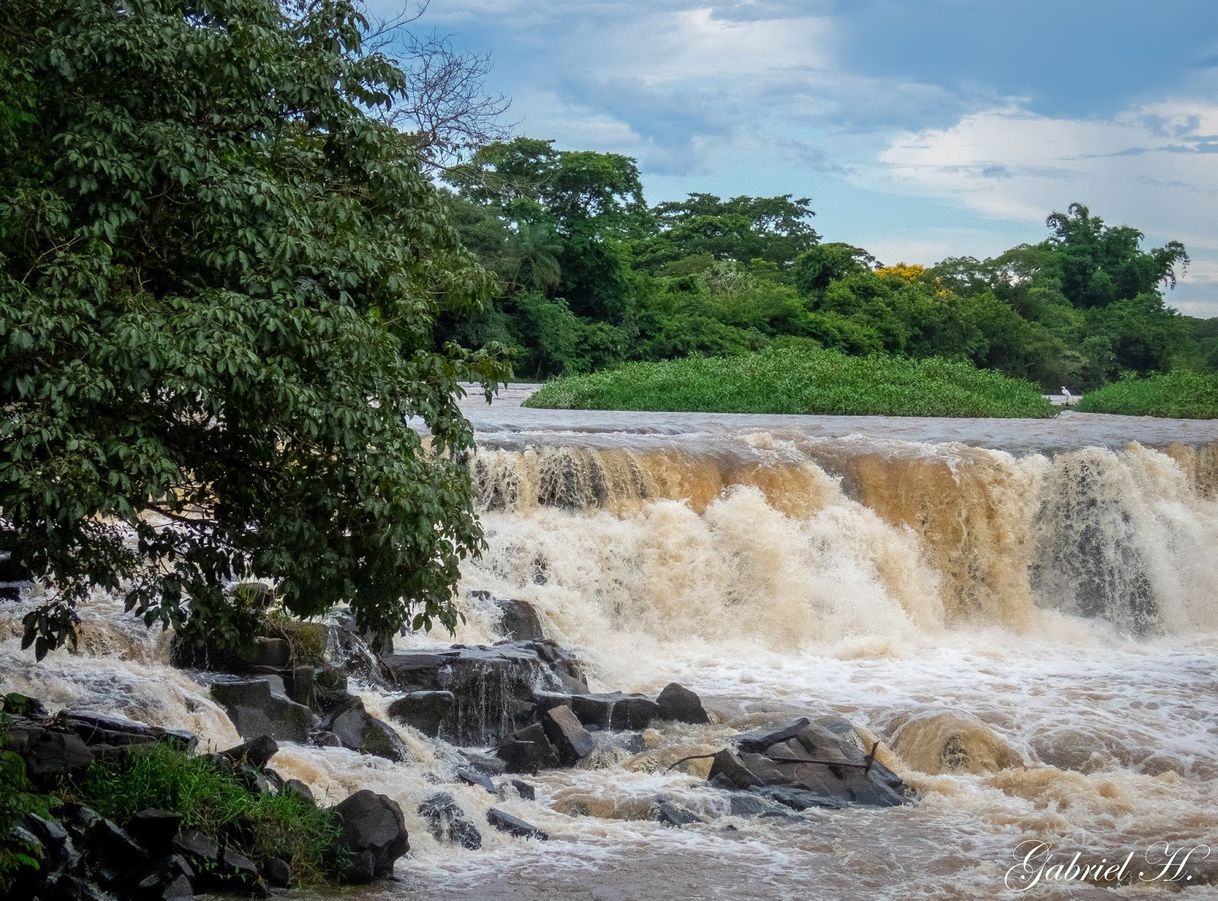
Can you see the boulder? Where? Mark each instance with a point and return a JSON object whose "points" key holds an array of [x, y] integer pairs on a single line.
{"points": [[447, 821], [528, 751], [106, 730], [360, 731], [524, 789], [155, 829], [255, 752], [493, 687], [758, 740], [729, 771], [273, 652], [256, 711], [374, 831], [799, 798], [16, 704], [519, 621], [47, 754], [606, 710], [277, 872], [473, 777], [431, 712], [568, 736], [298, 789], [505, 822], [672, 814], [680, 704]]}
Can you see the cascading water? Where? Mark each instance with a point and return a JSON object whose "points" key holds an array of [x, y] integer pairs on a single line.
{"points": [[1027, 619]]}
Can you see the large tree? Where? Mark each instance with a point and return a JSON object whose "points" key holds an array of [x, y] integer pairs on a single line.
{"points": [[218, 277]]}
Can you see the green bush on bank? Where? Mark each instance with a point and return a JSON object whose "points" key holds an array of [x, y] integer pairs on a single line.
{"points": [[799, 380], [259, 826], [1176, 395]]}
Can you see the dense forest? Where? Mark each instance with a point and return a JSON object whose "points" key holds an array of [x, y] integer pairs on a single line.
{"points": [[590, 275]]}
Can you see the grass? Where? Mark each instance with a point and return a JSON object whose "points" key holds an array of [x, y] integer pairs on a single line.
{"points": [[1177, 395], [789, 380], [216, 803]]}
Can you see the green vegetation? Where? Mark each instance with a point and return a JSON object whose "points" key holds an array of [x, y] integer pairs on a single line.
{"points": [[260, 826], [219, 273], [590, 276], [1181, 395], [799, 380], [17, 799]]}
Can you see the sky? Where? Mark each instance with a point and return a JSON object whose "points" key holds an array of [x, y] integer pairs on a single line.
{"points": [[919, 129]]}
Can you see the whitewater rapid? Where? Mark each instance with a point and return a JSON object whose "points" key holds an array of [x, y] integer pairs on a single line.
{"points": [[1026, 618]]}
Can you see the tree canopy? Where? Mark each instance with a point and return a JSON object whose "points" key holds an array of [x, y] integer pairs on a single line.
{"points": [[219, 274]]}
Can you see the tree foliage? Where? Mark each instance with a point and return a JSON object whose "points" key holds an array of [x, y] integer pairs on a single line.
{"points": [[218, 280]]}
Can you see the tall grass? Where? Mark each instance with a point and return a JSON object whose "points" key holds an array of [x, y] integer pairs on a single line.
{"points": [[797, 380], [1178, 395]]}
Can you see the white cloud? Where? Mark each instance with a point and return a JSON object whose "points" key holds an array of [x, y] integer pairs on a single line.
{"points": [[1147, 167]]}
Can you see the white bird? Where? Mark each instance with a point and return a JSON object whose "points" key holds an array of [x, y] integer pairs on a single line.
{"points": [[1066, 393]]}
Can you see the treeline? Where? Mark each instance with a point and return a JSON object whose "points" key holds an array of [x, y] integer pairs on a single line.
{"points": [[591, 276]]}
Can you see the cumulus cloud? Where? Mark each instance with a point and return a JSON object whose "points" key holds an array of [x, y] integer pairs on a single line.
{"points": [[1151, 166]]}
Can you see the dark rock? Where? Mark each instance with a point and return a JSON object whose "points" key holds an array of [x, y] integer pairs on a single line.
{"points": [[119, 732], [729, 770], [798, 798], [200, 850], [356, 652], [16, 704], [447, 821], [520, 620], [505, 822], [484, 763], [564, 666], [299, 789], [568, 736], [254, 779], [302, 686], [238, 872], [111, 844], [326, 739], [12, 569], [256, 711], [10, 593], [747, 804], [66, 887], [155, 829], [78, 818], [629, 742], [492, 687], [431, 712], [46, 754], [758, 740], [526, 791], [255, 752], [179, 888], [277, 872], [528, 751], [473, 777], [672, 814], [374, 831], [607, 710], [680, 704], [360, 731], [276, 652]]}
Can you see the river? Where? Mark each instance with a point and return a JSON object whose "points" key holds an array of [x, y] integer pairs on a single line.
{"points": [[1025, 612]]}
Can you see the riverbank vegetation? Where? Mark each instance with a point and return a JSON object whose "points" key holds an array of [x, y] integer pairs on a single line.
{"points": [[1180, 395], [799, 379], [590, 276]]}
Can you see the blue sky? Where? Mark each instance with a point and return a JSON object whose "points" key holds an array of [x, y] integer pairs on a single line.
{"points": [[918, 129]]}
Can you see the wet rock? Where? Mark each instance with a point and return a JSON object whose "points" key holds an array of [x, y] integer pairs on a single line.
{"points": [[680, 704], [526, 791], [729, 771], [277, 872], [239, 873], [12, 569], [520, 620], [747, 804], [608, 710], [564, 667], [484, 763], [302, 685], [47, 754], [109, 843], [17, 704], [798, 798], [528, 751], [155, 829], [568, 736], [672, 814], [431, 712], [505, 822], [447, 821], [758, 740], [106, 730], [299, 789], [256, 711], [374, 831], [360, 731], [326, 739], [66, 887], [492, 687], [178, 889], [255, 752], [275, 652], [200, 851], [473, 777], [626, 742]]}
